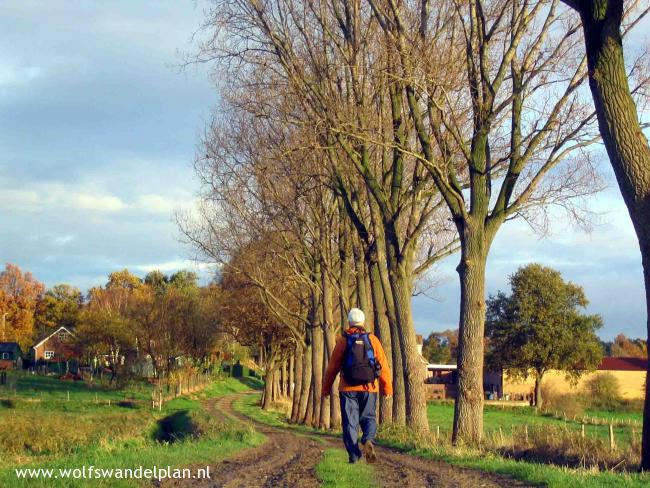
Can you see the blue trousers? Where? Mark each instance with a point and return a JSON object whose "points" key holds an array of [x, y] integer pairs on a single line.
{"points": [[358, 409]]}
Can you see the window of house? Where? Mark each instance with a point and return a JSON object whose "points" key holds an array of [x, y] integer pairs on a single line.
{"points": [[49, 354], [63, 336], [5, 355]]}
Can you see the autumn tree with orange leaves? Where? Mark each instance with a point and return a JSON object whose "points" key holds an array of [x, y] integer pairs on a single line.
{"points": [[19, 294]]}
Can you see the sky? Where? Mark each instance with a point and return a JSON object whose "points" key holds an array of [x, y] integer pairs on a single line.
{"points": [[98, 130]]}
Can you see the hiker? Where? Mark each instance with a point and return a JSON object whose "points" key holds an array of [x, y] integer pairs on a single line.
{"points": [[360, 359]]}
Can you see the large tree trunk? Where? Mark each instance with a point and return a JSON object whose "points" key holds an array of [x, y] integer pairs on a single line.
{"points": [[382, 331], [627, 146], [305, 391], [399, 395], [290, 376], [284, 381], [468, 408], [399, 275], [308, 419], [298, 378], [269, 379], [277, 383], [414, 368], [362, 295], [317, 372], [329, 333]]}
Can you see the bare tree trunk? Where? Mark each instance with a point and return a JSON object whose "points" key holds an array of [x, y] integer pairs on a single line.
{"points": [[267, 397], [308, 419], [325, 411], [290, 376], [334, 408], [298, 378], [414, 369], [317, 372], [305, 391], [277, 384], [382, 331], [468, 409], [399, 395], [344, 262], [284, 390], [627, 146], [362, 295]]}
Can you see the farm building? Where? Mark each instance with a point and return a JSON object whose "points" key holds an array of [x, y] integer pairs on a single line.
{"points": [[440, 381], [56, 346], [630, 372], [11, 356]]}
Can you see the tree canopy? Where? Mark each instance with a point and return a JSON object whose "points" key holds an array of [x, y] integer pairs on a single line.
{"points": [[540, 327]]}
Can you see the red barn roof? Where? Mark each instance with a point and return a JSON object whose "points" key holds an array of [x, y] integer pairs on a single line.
{"points": [[623, 364]]}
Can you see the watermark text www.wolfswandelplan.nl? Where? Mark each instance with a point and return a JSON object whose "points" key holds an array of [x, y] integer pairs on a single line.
{"points": [[94, 472]]}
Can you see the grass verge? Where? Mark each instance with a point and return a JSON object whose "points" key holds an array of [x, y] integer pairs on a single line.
{"points": [[119, 437]]}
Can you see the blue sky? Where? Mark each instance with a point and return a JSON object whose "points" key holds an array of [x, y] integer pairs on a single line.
{"points": [[97, 136]]}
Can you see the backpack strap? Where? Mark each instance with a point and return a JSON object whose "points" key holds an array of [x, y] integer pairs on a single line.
{"points": [[370, 354], [350, 338], [370, 351]]}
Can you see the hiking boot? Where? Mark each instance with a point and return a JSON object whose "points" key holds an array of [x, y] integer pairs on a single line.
{"points": [[369, 451], [353, 460]]}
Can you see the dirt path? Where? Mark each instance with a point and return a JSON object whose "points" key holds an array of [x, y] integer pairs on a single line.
{"points": [[288, 459]]}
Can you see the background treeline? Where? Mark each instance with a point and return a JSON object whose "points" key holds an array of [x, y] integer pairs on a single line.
{"points": [[160, 322]]}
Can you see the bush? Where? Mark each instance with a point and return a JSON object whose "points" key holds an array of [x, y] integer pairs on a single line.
{"points": [[604, 391], [567, 404]]}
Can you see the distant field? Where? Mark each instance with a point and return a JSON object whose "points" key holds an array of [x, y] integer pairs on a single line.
{"points": [[40, 427], [442, 414]]}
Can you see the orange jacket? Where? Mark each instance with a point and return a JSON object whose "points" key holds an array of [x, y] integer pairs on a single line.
{"points": [[385, 383]]}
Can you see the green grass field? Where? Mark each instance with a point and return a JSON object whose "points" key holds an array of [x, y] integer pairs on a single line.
{"points": [[513, 419], [41, 428]]}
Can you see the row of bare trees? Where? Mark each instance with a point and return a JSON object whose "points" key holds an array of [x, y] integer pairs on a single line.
{"points": [[358, 142]]}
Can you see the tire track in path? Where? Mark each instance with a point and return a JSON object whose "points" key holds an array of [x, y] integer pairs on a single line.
{"points": [[289, 458]]}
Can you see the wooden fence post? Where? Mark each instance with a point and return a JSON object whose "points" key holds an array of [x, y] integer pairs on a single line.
{"points": [[612, 442]]}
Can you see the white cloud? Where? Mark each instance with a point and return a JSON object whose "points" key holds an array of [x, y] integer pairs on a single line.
{"points": [[63, 240], [91, 201], [18, 199], [170, 266], [48, 195], [159, 204]]}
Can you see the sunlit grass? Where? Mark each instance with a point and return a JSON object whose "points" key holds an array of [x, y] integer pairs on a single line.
{"points": [[48, 430]]}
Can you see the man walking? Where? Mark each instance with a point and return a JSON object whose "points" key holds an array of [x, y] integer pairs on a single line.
{"points": [[360, 359]]}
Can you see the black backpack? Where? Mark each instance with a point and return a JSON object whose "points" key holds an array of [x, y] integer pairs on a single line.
{"points": [[359, 364]]}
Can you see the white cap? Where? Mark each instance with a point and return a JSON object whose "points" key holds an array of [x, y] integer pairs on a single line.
{"points": [[356, 317]]}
